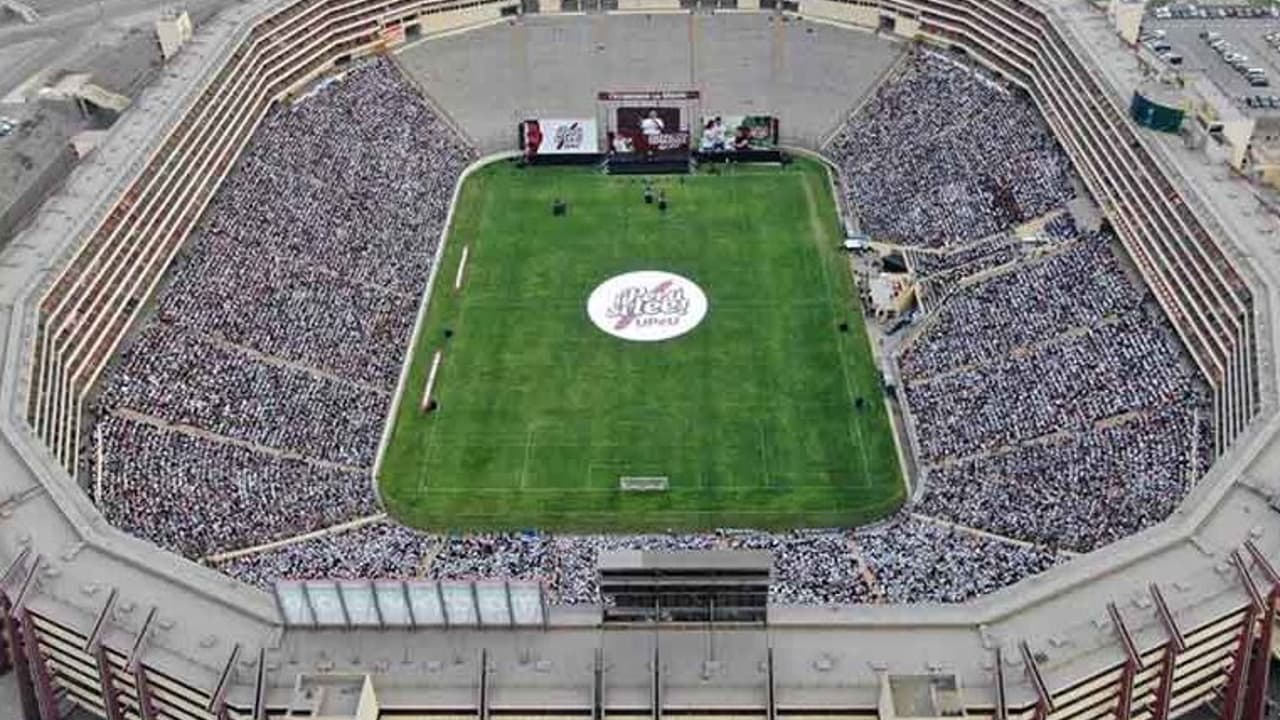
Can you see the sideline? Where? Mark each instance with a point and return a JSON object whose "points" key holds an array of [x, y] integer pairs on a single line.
{"points": [[419, 322], [912, 477]]}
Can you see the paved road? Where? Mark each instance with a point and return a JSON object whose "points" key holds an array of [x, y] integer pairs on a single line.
{"points": [[62, 38], [9, 709], [90, 13]]}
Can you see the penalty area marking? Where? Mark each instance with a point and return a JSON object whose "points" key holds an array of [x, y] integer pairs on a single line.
{"points": [[462, 268], [431, 380]]}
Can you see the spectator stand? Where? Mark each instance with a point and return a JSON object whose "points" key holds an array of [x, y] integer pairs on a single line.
{"points": [[1052, 404]]}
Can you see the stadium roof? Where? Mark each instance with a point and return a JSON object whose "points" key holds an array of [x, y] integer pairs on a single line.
{"points": [[64, 559]]}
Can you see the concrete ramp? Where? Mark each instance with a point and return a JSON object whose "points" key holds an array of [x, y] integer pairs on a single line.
{"points": [[103, 97], [81, 88]]}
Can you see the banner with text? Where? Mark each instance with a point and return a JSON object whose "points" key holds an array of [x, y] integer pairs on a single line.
{"points": [[560, 136]]}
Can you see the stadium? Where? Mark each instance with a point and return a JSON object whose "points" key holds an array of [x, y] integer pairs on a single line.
{"points": [[395, 358]]}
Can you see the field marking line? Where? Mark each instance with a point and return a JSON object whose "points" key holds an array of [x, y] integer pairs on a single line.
{"points": [[691, 402], [508, 439], [464, 300], [524, 466], [815, 225], [431, 380], [471, 490], [611, 514], [462, 267]]}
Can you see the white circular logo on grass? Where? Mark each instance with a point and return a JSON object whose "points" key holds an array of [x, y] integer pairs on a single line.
{"points": [[647, 305]]}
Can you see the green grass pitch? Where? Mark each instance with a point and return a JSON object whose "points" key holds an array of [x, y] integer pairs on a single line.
{"points": [[750, 415]]}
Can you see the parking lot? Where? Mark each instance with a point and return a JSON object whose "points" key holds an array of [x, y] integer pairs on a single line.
{"points": [[1246, 36]]}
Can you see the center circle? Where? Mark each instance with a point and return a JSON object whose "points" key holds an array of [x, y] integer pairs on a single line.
{"points": [[647, 305]]}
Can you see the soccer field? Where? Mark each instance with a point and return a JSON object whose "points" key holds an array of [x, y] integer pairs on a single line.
{"points": [[750, 415]]}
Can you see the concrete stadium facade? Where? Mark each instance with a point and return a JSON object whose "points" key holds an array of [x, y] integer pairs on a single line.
{"points": [[1150, 627]]}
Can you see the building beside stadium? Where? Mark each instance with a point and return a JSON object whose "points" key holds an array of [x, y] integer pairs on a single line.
{"points": [[1153, 626]]}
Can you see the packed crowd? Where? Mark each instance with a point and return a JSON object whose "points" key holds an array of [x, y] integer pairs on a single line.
{"points": [[378, 550], [917, 560], [939, 274], [1066, 384], [1077, 492], [255, 395], [1078, 287], [183, 378], [904, 560], [942, 155], [303, 313], [811, 567], [1054, 405], [932, 291], [197, 497]]}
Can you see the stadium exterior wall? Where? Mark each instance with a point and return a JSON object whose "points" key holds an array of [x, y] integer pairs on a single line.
{"points": [[1194, 598]]}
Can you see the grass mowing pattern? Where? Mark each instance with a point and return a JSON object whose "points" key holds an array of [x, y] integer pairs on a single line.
{"points": [[750, 414]]}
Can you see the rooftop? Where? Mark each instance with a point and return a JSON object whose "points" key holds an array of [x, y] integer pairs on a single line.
{"points": [[693, 559]]}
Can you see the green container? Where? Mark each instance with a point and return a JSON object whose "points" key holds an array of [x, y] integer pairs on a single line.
{"points": [[1149, 113]]}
